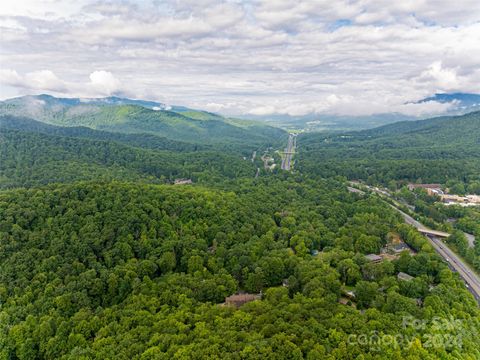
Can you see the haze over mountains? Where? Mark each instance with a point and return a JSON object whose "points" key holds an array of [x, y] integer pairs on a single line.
{"points": [[457, 104], [79, 110], [126, 128]]}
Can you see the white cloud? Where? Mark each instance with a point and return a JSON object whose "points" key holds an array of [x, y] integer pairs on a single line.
{"points": [[257, 56], [104, 82], [44, 80], [48, 9], [442, 78], [265, 110], [10, 77], [37, 80]]}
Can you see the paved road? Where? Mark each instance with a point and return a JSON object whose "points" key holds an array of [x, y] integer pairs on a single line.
{"points": [[470, 278], [410, 220], [455, 262], [288, 153], [470, 237]]}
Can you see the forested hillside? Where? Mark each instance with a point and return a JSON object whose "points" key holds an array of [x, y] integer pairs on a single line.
{"points": [[446, 130], [434, 150], [30, 159], [133, 116], [130, 271], [147, 141]]}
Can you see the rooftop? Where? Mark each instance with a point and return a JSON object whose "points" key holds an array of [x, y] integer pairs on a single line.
{"points": [[403, 276], [373, 257], [240, 299], [425, 186]]}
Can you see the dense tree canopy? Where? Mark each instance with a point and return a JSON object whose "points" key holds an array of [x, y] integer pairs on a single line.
{"points": [[120, 271], [429, 151], [101, 257]]}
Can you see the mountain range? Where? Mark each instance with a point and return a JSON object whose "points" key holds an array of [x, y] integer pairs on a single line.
{"points": [[115, 114], [122, 114]]}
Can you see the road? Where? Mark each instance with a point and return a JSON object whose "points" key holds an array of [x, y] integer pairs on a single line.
{"points": [[455, 262], [472, 280], [410, 220], [289, 151], [470, 237]]}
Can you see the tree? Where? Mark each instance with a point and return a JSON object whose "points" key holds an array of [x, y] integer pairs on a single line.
{"points": [[349, 271], [365, 293]]}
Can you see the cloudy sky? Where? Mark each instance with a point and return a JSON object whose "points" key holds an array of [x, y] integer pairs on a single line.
{"points": [[245, 57]]}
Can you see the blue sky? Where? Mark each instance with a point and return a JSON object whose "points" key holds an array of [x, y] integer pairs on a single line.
{"points": [[245, 57]]}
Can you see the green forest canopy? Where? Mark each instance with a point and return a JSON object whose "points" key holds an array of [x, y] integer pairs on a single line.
{"points": [[432, 151], [121, 271], [99, 261]]}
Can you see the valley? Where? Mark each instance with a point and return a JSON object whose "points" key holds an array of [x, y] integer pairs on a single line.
{"points": [[239, 180]]}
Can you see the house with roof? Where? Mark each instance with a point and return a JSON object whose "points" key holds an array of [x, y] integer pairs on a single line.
{"points": [[373, 258], [404, 276], [238, 300]]}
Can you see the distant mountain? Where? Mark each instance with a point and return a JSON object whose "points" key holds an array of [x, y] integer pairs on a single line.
{"points": [[458, 134], [441, 131], [40, 105], [461, 103], [115, 114], [54, 102], [336, 123]]}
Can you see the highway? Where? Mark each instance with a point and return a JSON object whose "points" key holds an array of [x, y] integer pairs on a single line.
{"points": [[289, 151], [472, 280], [455, 262]]}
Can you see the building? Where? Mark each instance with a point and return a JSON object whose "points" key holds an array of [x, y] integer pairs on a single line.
{"points": [[453, 198], [183, 181], [350, 294], [473, 199], [432, 189], [424, 186], [238, 300], [404, 277], [374, 258], [398, 248], [461, 200]]}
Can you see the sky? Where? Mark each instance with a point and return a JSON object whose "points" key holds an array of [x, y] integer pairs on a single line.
{"points": [[343, 57]]}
